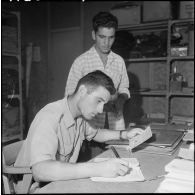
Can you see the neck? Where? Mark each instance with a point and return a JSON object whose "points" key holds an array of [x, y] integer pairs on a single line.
{"points": [[100, 53], [72, 104]]}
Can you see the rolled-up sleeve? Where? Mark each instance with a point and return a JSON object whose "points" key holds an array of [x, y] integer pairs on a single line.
{"points": [[44, 144], [124, 82], [74, 75]]}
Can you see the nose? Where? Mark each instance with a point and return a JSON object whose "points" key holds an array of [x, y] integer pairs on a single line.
{"points": [[100, 109], [106, 41]]}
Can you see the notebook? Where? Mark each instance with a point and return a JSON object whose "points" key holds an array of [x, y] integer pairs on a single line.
{"points": [[162, 137]]}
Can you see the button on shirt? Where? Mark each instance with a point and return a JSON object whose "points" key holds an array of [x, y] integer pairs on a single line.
{"points": [[54, 135]]}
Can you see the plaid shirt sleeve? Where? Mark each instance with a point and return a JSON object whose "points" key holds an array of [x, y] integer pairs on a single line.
{"points": [[124, 82]]}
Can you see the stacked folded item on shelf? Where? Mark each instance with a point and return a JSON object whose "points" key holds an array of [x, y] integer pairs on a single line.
{"points": [[179, 178]]}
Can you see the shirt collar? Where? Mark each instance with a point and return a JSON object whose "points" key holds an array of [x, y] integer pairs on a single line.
{"points": [[93, 50], [68, 118]]}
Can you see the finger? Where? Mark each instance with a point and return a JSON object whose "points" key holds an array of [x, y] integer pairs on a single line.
{"points": [[138, 130], [123, 162], [125, 169], [121, 172]]}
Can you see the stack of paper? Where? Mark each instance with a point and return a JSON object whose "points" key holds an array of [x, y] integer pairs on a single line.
{"points": [[134, 175], [180, 177]]}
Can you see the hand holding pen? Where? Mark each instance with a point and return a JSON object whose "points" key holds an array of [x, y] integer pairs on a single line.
{"points": [[117, 156]]}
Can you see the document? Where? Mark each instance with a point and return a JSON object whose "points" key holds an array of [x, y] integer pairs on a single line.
{"points": [[134, 175]]}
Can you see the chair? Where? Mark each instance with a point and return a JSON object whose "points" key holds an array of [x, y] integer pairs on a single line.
{"points": [[15, 179]]}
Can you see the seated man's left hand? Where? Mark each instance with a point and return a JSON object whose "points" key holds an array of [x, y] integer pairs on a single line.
{"points": [[134, 132]]}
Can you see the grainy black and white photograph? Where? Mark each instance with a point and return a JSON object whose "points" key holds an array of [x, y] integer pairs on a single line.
{"points": [[97, 96]]}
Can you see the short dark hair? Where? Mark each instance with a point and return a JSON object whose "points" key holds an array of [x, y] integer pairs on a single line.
{"points": [[95, 79], [104, 19]]}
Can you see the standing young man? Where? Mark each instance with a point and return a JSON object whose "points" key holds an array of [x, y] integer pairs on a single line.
{"points": [[56, 134], [100, 57]]}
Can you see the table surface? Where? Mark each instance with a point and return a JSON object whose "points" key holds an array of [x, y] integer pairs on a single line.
{"points": [[151, 165]]}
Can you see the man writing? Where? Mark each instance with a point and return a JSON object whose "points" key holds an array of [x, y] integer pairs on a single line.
{"points": [[56, 134]]}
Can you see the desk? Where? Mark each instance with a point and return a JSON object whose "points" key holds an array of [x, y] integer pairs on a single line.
{"points": [[151, 165]]}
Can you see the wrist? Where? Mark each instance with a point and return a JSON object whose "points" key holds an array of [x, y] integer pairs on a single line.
{"points": [[123, 134]]}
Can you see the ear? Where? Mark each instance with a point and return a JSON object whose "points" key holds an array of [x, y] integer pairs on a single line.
{"points": [[82, 90], [93, 35]]}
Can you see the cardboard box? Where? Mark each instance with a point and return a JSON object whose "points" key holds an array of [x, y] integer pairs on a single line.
{"points": [[186, 9], [156, 10], [128, 15]]}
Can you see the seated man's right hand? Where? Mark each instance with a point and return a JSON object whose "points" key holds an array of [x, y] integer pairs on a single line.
{"points": [[114, 167]]}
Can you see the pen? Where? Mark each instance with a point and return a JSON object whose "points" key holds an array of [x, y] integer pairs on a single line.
{"points": [[115, 152]]}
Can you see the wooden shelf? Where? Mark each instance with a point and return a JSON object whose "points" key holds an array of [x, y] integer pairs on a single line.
{"points": [[11, 59], [145, 26], [146, 59], [151, 27], [182, 21], [182, 58], [149, 93], [181, 94]]}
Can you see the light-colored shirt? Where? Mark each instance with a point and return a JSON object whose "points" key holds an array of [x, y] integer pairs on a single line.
{"points": [[54, 135], [90, 61]]}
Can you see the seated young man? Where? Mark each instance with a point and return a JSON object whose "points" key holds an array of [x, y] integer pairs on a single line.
{"points": [[56, 134]]}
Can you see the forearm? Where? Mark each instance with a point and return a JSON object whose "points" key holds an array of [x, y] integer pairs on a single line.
{"points": [[55, 170], [106, 135]]}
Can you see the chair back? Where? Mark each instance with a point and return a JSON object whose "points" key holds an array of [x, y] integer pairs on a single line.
{"points": [[10, 152], [12, 181]]}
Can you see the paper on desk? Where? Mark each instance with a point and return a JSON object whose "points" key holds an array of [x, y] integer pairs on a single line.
{"points": [[134, 175]]}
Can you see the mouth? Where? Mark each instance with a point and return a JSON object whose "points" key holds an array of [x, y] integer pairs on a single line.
{"points": [[106, 48]]}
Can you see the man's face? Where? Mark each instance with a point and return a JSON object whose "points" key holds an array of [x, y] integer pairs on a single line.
{"points": [[92, 104], [104, 38]]}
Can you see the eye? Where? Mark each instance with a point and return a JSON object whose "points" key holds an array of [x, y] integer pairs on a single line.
{"points": [[101, 36]]}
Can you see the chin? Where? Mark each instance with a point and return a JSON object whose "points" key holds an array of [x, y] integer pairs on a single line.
{"points": [[87, 118], [106, 51]]}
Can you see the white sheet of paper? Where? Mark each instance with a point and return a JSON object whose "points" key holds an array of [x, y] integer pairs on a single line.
{"points": [[134, 175]]}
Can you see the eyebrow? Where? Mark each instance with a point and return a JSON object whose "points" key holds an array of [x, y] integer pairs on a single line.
{"points": [[101, 99]]}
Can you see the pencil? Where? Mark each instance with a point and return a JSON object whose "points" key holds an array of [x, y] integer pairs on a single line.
{"points": [[115, 152]]}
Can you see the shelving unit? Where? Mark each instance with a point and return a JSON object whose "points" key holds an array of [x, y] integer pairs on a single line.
{"points": [[139, 65], [12, 104]]}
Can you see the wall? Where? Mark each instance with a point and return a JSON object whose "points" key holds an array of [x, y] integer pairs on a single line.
{"points": [[64, 44]]}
